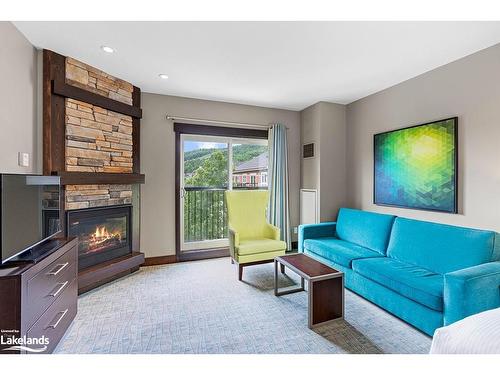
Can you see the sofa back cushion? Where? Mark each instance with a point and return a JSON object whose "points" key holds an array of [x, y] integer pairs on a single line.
{"points": [[438, 247], [367, 229]]}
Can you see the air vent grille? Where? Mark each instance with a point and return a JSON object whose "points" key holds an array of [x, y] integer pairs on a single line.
{"points": [[308, 150]]}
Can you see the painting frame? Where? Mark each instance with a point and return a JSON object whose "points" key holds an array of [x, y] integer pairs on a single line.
{"points": [[455, 179]]}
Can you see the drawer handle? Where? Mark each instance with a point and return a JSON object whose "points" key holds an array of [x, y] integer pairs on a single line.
{"points": [[62, 285], [58, 269], [63, 313]]}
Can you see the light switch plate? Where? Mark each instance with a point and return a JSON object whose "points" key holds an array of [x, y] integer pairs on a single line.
{"points": [[24, 159]]}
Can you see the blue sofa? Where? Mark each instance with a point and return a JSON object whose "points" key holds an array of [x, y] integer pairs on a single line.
{"points": [[427, 274]]}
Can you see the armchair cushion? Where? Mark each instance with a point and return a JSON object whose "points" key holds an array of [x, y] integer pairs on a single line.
{"points": [[256, 246], [242, 259]]}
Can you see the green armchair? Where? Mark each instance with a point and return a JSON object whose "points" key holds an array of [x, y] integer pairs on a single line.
{"points": [[252, 240]]}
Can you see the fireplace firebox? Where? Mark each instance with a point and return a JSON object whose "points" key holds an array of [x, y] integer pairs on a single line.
{"points": [[104, 233]]}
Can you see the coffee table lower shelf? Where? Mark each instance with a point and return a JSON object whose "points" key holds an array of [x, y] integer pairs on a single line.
{"points": [[325, 287]]}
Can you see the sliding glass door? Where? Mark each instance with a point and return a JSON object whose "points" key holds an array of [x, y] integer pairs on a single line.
{"points": [[204, 178], [209, 166]]}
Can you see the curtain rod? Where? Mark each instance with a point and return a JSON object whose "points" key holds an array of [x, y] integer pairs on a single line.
{"points": [[232, 123]]}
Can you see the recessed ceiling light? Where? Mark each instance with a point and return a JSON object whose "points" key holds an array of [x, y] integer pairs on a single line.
{"points": [[107, 49], [163, 76]]}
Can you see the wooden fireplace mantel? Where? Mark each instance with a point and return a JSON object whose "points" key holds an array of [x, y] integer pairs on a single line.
{"points": [[84, 178]]}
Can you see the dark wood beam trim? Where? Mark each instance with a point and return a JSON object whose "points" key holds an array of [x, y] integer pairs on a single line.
{"points": [[157, 261], [177, 195], [136, 132], [61, 88], [54, 113], [85, 178], [222, 131]]}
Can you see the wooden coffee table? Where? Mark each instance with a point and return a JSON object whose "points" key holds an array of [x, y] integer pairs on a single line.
{"points": [[325, 287]]}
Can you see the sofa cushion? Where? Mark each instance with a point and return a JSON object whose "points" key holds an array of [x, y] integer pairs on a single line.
{"points": [[438, 247], [413, 282], [367, 229], [247, 247], [338, 251]]}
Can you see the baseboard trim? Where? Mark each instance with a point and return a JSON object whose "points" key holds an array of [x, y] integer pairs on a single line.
{"points": [[157, 261], [186, 256]]}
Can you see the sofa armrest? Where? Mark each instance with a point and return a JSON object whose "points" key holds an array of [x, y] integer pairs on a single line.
{"points": [[307, 231], [273, 232], [470, 291]]}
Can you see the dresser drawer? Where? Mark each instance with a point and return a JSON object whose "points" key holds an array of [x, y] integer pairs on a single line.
{"points": [[48, 284], [55, 321]]}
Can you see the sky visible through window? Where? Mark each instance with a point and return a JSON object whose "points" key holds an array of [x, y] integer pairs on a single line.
{"points": [[195, 145]]}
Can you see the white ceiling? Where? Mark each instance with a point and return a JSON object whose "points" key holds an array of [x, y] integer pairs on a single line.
{"points": [[287, 65]]}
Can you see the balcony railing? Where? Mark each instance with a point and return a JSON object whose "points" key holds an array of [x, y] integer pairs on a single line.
{"points": [[248, 185], [205, 215]]}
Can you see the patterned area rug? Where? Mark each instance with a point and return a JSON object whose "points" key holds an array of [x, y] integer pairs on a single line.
{"points": [[200, 307]]}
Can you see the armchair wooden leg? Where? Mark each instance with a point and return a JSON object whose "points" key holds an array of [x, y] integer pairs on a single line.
{"points": [[240, 272], [282, 266]]}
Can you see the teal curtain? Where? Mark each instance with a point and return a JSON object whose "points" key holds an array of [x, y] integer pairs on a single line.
{"points": [[279, 207]]}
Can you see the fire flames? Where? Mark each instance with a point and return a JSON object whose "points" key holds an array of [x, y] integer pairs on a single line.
{"points": [[102, 236]]}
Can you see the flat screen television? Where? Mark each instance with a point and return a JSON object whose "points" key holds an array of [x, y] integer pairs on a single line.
{"points": [[29, 214]]}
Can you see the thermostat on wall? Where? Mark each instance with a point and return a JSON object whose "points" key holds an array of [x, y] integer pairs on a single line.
{"points": [[24, 159]]}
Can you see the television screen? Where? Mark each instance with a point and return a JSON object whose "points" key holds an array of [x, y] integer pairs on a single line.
{"points": [[29, 207], [416, 167]]}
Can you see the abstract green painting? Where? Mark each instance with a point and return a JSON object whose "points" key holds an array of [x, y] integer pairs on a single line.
{"points": [[416, 167]]}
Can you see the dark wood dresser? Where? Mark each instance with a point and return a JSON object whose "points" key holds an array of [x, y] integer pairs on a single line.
{"points": [[39, 299]]}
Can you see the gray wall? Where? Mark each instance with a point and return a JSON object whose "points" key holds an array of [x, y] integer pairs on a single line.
{"points": [[333, 160], [18, 98], [325, 124], [468, 88], [157, 159], [310, 133]]}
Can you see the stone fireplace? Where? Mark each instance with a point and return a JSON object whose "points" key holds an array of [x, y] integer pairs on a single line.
{"points": [[91, 140], [89, 196], [97, 139], [103, 233]]}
